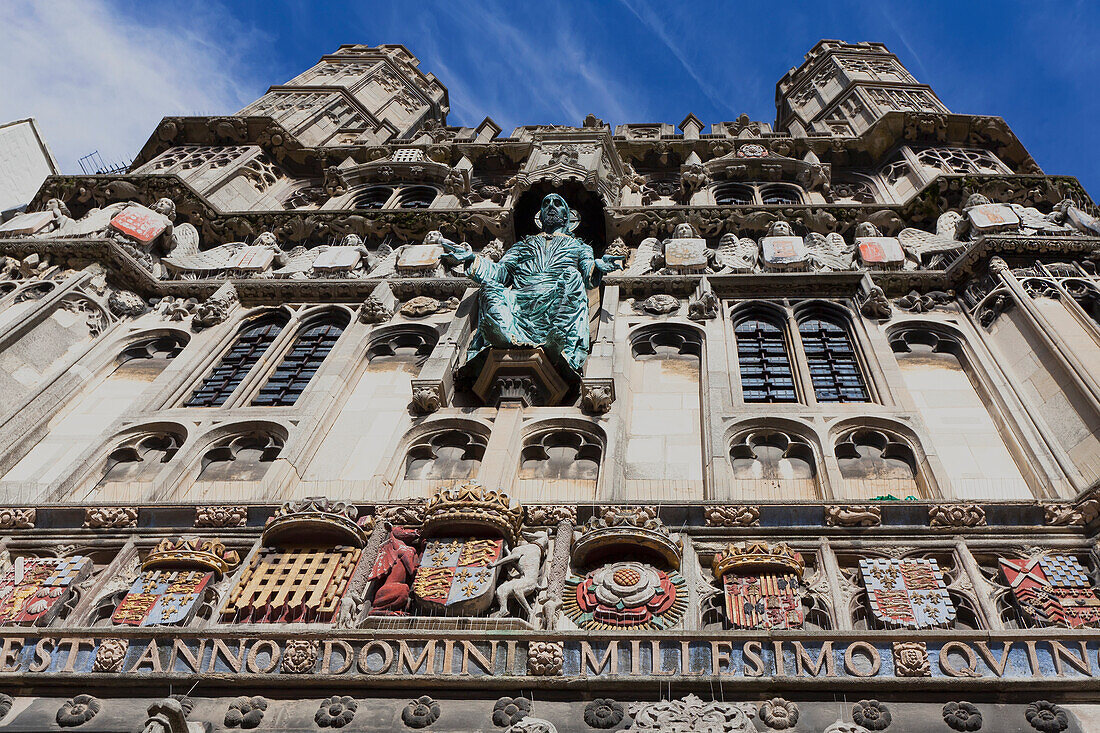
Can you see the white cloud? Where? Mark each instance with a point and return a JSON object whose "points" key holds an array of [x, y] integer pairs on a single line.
{"points": [[100, 76]]}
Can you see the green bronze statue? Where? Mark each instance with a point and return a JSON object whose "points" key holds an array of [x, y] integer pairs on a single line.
{"points": [[537, 294]]}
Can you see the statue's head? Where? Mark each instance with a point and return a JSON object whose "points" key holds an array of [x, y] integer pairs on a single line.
{"points": [[351, 240], [683, 231], [58, 207], [165, 207], [976, 199], [867, 229], [555, 214], [433, 237], [780, 229], [266, 239]]}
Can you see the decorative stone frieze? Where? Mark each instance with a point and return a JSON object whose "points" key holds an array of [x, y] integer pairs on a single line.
{"points": [[856, 515], [17, 518], [220, 516], [691, 714], [956, 515], [732, 515], [549, 515], [544, 658], [110, 517]]}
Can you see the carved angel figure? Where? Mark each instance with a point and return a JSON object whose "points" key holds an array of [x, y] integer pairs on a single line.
{"points": [[187, 262], [829, 253], [736, 254], [347, 259]]}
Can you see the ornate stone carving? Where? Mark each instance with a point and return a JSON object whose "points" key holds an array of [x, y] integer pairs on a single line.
{"points": [[691, 715], [841, 727], [315, 518], [402, 514], [532, 725], [336, 712], [705, 307], [1046, 717], [421, 712], [732, 515], [1062, 515], [422, 305], [110, 517], [527, 559], [124, 303], [427, 399], [545, 658], [110, 655], [299, 656], [875, 305], [374, 310], [778, 713], [911, 659], [761, 585], [862, 515], [221, 516], [77, 711], [962, 716], [871, 714], [603, 713], [216, 308], [956, 515], [510, 710], [916, 302], [6, 701], [245, 712], [548, 515], [16, 518], [596, 397], [658, 305], [472, 503]]}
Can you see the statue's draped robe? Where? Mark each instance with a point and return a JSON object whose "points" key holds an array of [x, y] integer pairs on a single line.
{"points": [[537, 295]]}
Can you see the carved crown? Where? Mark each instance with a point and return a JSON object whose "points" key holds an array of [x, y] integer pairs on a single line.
{"points": [[315, 520], [626, 533], [758, 556], [471, 507], [191, 554]]}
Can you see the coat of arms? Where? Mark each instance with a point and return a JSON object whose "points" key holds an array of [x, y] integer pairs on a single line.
{"points": [[761, 585], [34, 589], [1053, 590], [457, 575], [162, 597], [907, 593]]}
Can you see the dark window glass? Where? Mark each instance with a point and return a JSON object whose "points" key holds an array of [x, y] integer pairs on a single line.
{"points": [[780, 195], [299, 365], [372, 198], [728, 195], [231, 370], [765, 366], [417, 197], [834, 368]]}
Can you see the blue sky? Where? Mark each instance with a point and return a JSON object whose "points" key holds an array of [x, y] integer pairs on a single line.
{"points": [[101, 73]]}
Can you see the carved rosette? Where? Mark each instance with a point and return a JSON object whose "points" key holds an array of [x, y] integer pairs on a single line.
{"points": [[314, 519], [110, 517], [299, 656], [956, 515], [732, 515], [860, 515], [545, 658], [220, 517], [471, 507], [110, 655]]}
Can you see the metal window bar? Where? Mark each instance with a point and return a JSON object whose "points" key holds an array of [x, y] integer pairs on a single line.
{"points": [[231, 370], [764, 364], [834, 369], [298, 366]]}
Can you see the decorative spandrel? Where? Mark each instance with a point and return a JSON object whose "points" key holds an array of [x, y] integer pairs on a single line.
{"points": [[537, 294], [35, 589]]}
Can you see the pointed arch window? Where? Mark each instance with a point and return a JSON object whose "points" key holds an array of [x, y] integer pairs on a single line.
{"points": [[834, 366], [764, 363], [253, 341], [299, 365]]}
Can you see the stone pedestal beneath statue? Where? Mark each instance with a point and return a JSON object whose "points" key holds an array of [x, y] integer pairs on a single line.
{"points": [[526, 376]]}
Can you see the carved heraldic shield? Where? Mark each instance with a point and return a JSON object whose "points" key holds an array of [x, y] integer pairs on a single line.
{"points": [[1053, 590], [908, 594]]}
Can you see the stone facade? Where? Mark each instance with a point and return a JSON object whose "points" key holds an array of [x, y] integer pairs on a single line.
{"points": [[835, 450]]}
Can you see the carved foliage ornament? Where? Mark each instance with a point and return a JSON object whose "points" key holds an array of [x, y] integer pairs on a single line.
{"points": [[778, 713], [218, 517], [110, 655], [691, 715], [545, 658], [603, 713], [12, 518], [110, 517], [421, 712], [866, 515], [871, 714], [962, 716], [956, 515], [911, 659], [336, 712], [722, 515], [245, 712]]}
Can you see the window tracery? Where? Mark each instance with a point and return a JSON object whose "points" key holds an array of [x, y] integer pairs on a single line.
{"points": [[448, 454], [769, 455], [251, 344], [241, 457], [140, 456], [163, 347], [561, 454], [960, 160], [870, 454]]}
